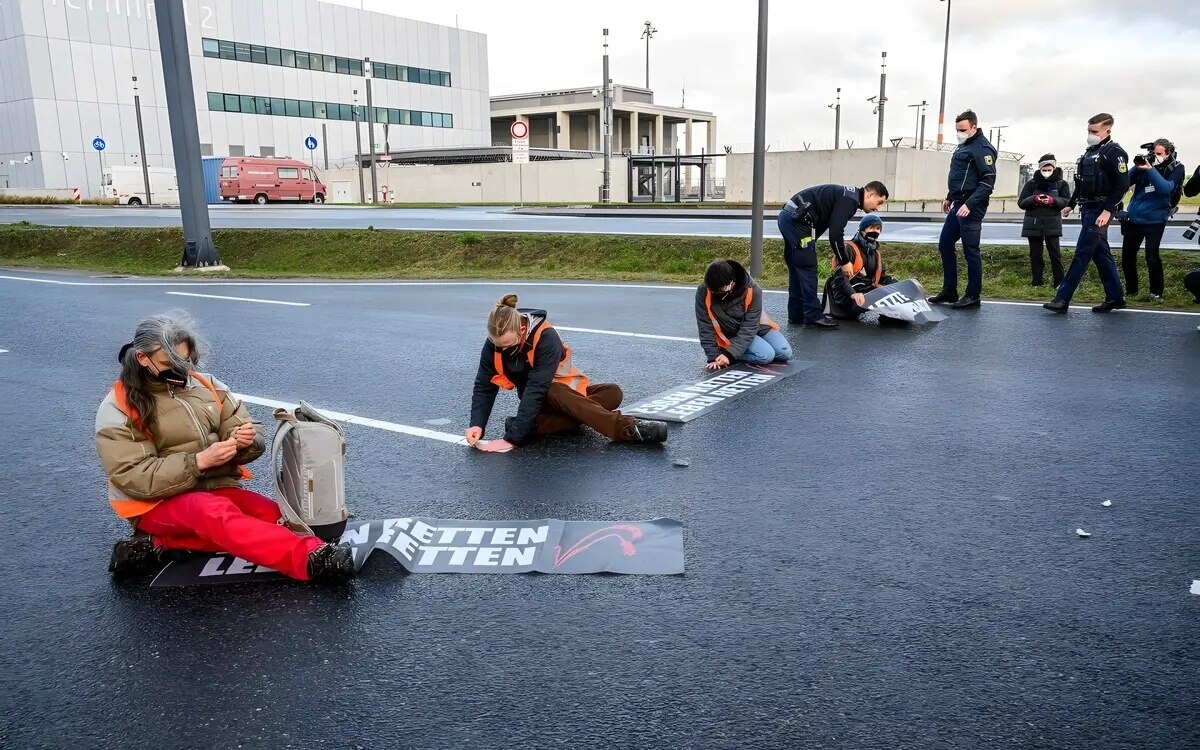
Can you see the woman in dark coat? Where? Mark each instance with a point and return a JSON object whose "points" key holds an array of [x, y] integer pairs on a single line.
{"points": [[1043, 198]]}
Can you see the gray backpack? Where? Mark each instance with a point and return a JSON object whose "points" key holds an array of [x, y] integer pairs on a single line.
{"points": [[308, 461]]}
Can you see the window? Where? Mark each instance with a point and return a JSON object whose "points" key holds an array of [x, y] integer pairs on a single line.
{"points": [[424, 76], [404, 117], [445, 79], [229, 172], [426, 119], [308, 175], [226, 50], [287, 173], [319, 110], [277, 106], [266, 150], [232, 103], [273, 56], [291, 108], [258, 54], [316, 61], [436, 117], [216, 102], [306, 108], [206, 149], [330, 64], [263, 105], [447, 121], [380, 115], [356, 67], [343, 66], [302, 60], [347, 112], [288, 57], [393, 116], [248, 105], [413, 75], [241, 51], [237, 150], [212, 48]]}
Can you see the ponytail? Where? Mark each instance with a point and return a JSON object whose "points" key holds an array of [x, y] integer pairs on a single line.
{"points": [[504, 318]]}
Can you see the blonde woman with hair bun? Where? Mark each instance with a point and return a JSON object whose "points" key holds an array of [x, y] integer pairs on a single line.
{"points": [[524, 353]]}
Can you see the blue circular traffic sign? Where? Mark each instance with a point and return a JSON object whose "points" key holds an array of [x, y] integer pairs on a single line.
{"points": [[98, 144], [310, 143]]}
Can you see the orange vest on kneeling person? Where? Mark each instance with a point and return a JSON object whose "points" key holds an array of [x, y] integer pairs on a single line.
{"points": [[566, 374], [723, 340]]}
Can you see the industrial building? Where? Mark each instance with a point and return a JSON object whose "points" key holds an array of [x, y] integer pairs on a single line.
{"points": [[267, 75]]}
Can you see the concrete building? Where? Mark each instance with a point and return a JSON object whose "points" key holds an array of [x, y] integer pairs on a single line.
{"points": [[571, 119], [267, 74]]}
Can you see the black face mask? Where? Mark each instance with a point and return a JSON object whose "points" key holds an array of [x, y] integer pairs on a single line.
{"points": [[871, 236], [172, 376]]}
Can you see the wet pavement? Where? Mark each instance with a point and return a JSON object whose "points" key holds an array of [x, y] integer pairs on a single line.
{"points": [[881, 550]]}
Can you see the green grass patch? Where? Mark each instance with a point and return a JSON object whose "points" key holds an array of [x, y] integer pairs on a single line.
{"points": [[350, 254]]}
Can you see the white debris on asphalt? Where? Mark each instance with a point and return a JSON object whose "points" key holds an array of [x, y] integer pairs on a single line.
{"points": [[1107, 503], [1083, 534], [1196, 587]]}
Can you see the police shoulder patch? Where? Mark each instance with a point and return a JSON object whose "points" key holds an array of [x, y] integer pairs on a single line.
{"points": [[988, 160], [1122, 166]]}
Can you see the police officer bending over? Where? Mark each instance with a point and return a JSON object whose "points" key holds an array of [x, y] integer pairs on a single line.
{"points": [[972, 179], [1101, 180], [806, 216]]}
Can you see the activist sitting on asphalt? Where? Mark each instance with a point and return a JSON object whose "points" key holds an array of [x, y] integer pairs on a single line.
{"points": [[857, 274], [173, 443], [523, 351], [732, 323]]}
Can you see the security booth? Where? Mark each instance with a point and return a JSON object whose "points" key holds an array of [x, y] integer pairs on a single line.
{"points": [[661, 178]]}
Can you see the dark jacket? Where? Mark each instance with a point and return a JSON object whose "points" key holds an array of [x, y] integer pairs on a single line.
{"points": [[531, 382], [1042, 220], [1154, 192], [739, 323], [1192, 188], [1107, 164], [972, 173], [840, 288], [832, 208]]}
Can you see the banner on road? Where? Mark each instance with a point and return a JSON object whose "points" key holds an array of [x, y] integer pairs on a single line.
{"points": [[434, 545], [904, 300], [685, 403]]}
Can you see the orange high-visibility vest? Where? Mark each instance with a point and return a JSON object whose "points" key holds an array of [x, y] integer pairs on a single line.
{"points": [[129, 507], [857, 263], [566, 373], [723, 340]]}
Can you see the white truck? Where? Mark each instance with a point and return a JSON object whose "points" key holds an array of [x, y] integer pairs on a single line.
{"points": [[128, 186]]}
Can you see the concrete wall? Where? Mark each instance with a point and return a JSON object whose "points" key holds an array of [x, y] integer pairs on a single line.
{"points": [[572, 180], [909, 174]]}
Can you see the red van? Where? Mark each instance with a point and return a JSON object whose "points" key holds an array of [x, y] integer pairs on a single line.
{"points": [[263, 179]]}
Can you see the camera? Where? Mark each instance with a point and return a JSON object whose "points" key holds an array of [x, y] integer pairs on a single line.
{"points": [[1190, 232], [1140, 160]]}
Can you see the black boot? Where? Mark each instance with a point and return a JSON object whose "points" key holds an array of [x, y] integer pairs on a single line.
{"points": [[134, 557], [646, 431], [824, 323], [945, 298], [965, 303], [1056, 305], [1109, 305], [331, 563]]}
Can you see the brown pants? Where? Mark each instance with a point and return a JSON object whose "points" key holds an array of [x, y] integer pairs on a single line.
{"points": [[566, 409]]}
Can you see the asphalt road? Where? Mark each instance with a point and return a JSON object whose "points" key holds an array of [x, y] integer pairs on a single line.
{"points": [[881, 550], [487, 220]]}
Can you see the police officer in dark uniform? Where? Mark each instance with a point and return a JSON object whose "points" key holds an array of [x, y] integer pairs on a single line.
{"points": [[1101, 180], [806, 216], [972, 179]]}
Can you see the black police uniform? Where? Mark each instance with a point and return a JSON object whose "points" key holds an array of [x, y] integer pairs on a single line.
{"points": [[971, 181], [1101, 180], [829, 208]]}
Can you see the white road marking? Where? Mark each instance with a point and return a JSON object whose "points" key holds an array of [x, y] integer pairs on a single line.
{"points": [[628, 334], [569, 284], [3, 351], [378, 424], [1196, 586], [241, 299]]}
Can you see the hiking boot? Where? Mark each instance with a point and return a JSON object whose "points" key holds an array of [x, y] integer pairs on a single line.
{"points": [[331, 563], [132, 558], [646, 431]]}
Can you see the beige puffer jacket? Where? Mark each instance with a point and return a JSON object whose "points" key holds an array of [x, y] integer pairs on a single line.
{"points": [[143, 472]]}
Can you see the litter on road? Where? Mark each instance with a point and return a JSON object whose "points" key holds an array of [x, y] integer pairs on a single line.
{"points": [[1083, 534]]}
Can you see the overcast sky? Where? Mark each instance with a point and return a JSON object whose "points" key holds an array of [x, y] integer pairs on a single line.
{"points": [[1042, 67]]}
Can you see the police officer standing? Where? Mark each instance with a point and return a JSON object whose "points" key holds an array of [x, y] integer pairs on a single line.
{"points": [[972, 179], [1101, 180], [806, 216]]}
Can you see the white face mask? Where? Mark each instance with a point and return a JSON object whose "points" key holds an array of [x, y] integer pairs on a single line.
{"points": [[962, 137], [1047, 173], [1093, 139], [1160, 159]]}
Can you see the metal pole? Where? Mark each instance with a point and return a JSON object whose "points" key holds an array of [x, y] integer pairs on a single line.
{"points": [[648, 33], [760, 144], [521, 183], [922, 139], [371, 130], [362, 190], [325, 140], [100, 161], [606, 183], [137, 108], [837, 121], [882, 99], [945, 59], [199, 250]]}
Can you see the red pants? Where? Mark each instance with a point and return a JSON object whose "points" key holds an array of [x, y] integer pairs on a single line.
{"points": [[233, 520]]}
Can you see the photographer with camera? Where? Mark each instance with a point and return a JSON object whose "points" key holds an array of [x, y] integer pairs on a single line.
{"points": [[1157, 180], [1043, 198]]}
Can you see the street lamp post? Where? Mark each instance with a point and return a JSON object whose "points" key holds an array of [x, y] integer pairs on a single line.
{"points": [[362, 189], [882, 98], [919, 125], [606, 184], [647, 34], [837, 120], [371, 130], [137, 109], [760, 145], [945, 59]]}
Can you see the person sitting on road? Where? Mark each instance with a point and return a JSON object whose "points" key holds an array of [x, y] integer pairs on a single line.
{"points": [[174, 443], [858, 272], [733, 325], [525, 353]]}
